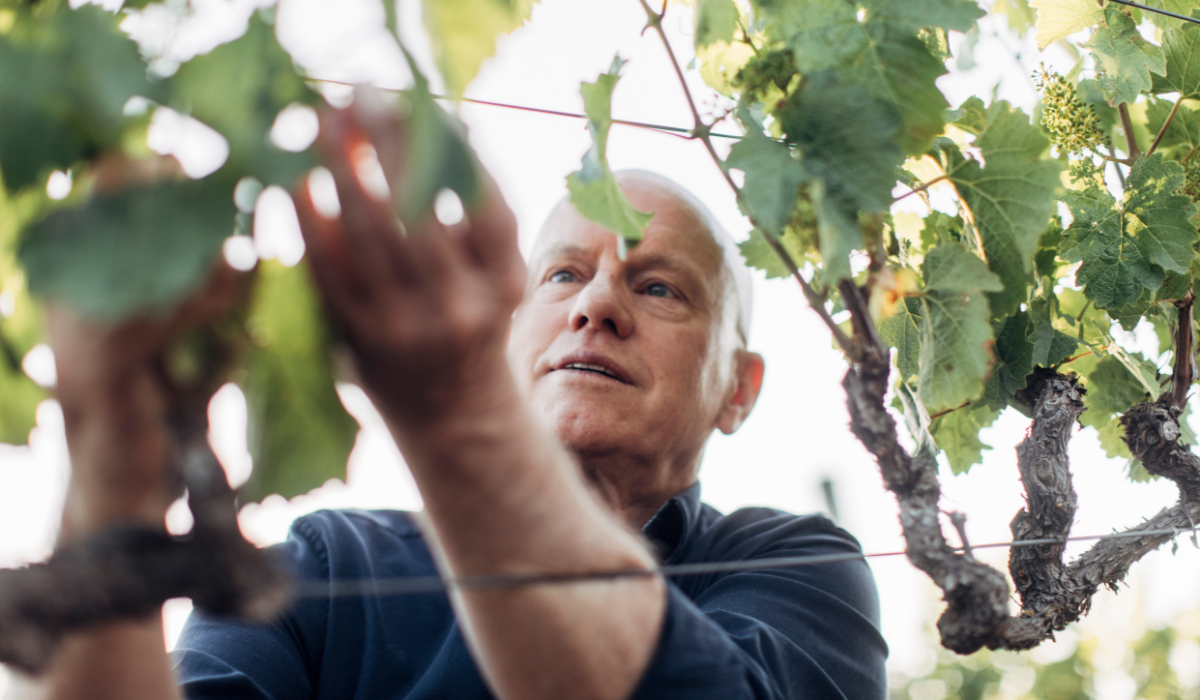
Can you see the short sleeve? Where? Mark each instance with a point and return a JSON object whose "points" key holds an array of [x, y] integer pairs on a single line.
{"points": [[219, 657], [808, 632]]}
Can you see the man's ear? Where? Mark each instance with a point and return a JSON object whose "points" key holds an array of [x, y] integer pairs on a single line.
{"points": [[748, 378]]}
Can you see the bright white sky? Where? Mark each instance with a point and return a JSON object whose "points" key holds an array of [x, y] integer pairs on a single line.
{"points": [[798, 435]]}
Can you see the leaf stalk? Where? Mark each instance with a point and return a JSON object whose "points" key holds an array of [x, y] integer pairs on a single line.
{"points": [[1166, 125]]}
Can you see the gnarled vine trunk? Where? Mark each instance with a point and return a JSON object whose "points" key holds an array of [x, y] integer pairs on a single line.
{"points": [[1053, 594]]}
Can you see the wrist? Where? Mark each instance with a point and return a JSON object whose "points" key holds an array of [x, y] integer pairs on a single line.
{"points": [[431, 400], [119, 447]]}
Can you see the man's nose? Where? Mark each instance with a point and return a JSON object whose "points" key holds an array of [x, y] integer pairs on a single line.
{"points": [[603, 304]]}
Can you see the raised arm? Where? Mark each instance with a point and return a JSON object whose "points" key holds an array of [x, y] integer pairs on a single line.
{"points": [[113, 406], [427, 314]]}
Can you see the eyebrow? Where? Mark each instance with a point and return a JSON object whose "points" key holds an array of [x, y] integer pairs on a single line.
{"points": [[668, 263], [563, 250]]}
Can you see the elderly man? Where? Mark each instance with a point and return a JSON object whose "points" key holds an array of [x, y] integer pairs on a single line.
{"points": [[554, 420]]}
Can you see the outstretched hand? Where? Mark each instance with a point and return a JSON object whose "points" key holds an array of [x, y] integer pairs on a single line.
{"points": [[425, 306]]}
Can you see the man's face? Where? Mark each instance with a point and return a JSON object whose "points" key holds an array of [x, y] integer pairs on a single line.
{"points": [[627, 357]]}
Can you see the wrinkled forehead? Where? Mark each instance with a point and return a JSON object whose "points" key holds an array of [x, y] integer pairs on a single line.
{"points": [[682, 229]]}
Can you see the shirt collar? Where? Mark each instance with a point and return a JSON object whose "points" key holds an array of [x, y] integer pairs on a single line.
{"points": [[673, 524]]}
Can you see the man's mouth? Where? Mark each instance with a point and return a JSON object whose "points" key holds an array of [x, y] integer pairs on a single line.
{"points": [[594, 363], [585, 367]]}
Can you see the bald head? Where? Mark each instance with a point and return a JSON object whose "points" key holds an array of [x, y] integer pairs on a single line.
{"points": [[649, 191]]}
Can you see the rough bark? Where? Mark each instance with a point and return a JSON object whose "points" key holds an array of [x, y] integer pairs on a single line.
{"points": [[1052, 593], [976, 594], [1038, 571]]}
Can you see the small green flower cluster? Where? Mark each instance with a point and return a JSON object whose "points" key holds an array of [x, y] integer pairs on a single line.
{"points": [[776, 67], [1191, 178], [1072, 123]]}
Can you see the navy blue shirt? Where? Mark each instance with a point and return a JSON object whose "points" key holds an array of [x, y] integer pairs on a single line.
{"points": [[808, 632]]}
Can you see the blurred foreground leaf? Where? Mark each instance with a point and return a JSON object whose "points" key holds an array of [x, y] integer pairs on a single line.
{"points": [[299, 433], [464, 34], [65, 77], [438, 156], [141, 250]]}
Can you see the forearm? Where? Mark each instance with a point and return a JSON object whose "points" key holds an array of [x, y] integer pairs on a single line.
{"points": [[503, 498], [117, 451], [118, 662]]}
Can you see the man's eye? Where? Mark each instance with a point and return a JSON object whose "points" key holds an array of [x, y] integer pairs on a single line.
{"points": [[659, 290], [562, 277]]}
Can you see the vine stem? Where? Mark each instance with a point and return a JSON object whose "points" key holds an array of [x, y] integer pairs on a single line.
{"points": [[1185, 360], [1069, 360], [948, 411], [1166, 124], [701, 132], [1131, 146], [922, 188]]}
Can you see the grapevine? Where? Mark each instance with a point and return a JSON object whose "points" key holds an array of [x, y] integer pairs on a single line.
{"points": [[1006, 300]]}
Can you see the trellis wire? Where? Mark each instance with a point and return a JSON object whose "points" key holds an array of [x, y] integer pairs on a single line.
{"points": [[1168, 13], [539, 110], [418, 585]]}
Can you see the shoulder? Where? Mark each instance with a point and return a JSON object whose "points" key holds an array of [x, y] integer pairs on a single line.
{"points": [[372, 523], [756, 532], [836, 579], [353, 542]]}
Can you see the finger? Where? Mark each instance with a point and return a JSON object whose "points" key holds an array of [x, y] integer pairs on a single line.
{"points": [[386, 131], [392, 244], [492, 233], [328, 255], [363, 222]]}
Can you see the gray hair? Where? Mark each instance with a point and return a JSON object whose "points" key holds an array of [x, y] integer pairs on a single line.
{"points": [[739, 282]]}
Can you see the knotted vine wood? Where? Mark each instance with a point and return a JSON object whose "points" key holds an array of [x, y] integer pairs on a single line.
{"points": [[1052, 593]]}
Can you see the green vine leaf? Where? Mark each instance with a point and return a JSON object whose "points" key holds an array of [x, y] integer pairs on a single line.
{"points": [[1111, 390], [438, 155], [1124, 250], [1126, 59], [844, 135], [1014, 352], [1058, 19], [957, 434], [594, 189], [20, 331], [1179, 7], [955, 330], [882, 52], [715, 21], [759, 254], [1112, 439], [1011, 198], [463, 33], [53, 70], [1181, 48], [239, 88], [300, 435], [1050, 345], [1184, 129], [19, 399], [902, 330], [110, 259], [773, 177]]}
